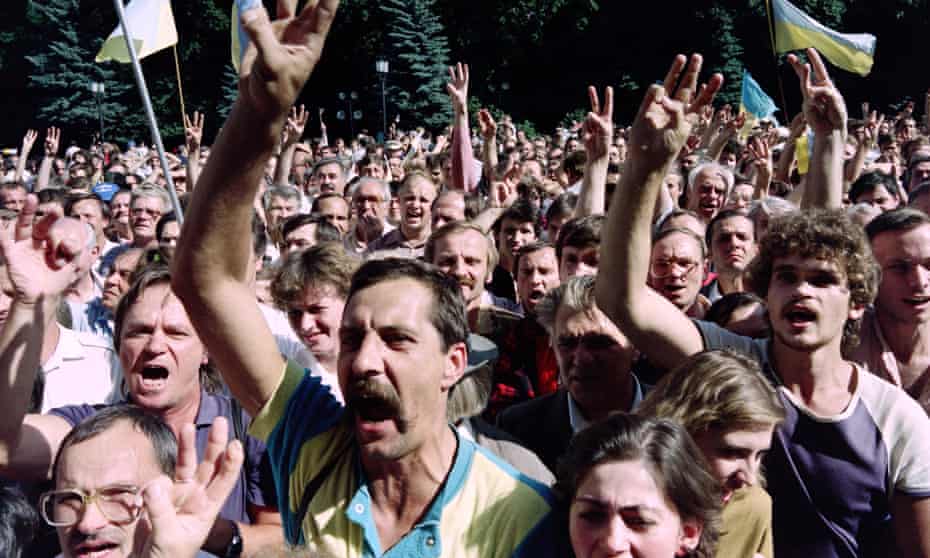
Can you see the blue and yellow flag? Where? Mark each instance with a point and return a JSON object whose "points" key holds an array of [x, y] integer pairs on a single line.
{"points": [[754, 100], [151, 24], [795, 30], [239, 39]]}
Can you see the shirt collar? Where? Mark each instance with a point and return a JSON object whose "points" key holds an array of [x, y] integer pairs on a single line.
{"points": [[578, 421]]}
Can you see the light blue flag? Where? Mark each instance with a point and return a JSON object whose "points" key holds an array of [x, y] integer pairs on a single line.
{"points": [[754, 100]]}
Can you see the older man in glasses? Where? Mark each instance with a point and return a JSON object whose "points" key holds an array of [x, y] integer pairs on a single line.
{"points": [[676, 270]]}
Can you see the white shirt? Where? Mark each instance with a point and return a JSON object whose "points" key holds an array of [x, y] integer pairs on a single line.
{"points": [[292, 349], [84, 368]]}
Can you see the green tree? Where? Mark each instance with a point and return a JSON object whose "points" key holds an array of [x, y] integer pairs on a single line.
{"points": [[419, 52], [62, 68]]}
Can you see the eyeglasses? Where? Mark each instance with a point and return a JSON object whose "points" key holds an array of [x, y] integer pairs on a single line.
{"points": [[661, 269], [140, 210], [119, 503]]}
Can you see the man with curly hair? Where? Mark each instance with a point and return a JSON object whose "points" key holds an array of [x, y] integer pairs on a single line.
{"points": [[848, 469]]}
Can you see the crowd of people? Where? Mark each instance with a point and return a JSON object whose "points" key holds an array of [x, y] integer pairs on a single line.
{"points": [[702, 335]]}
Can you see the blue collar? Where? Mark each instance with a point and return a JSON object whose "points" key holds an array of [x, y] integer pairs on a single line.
{"points": [[424, 539]]}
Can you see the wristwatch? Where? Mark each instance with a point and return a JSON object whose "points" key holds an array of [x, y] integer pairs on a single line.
{"points": [[234, 548]]}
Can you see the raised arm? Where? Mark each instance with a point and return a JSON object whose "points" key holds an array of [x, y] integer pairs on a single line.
{"points": [[786, 159], [597, 132], [762, 161], [193, 134], [825, 112], [653, 324], [28, 141], [209, 274], [38, 270], [52, 137], [463, 159], [293, 131], [489, 147]]}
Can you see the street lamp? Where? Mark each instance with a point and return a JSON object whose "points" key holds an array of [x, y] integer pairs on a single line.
{"points": [[382, 68], [352, 116], [98, 89]]}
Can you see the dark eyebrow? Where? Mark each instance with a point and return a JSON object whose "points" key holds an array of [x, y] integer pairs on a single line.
{"points": [[593, 500]]}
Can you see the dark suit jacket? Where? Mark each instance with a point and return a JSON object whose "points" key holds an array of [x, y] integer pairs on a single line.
{"points": [[540, 424]]}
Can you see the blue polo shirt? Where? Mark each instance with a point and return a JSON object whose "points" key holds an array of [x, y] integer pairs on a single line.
{"points": [[484, 508]]}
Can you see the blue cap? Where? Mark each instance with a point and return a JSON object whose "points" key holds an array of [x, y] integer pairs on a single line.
{"points": [[105, 190]]}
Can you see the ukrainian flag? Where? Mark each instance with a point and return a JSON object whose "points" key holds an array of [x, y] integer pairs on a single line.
{"points": [[151, 23], [754, 100], [795, 30]]}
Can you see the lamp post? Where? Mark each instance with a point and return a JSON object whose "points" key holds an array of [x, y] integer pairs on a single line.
{"points": [[98, 89], [352, 116], [382, 68]]}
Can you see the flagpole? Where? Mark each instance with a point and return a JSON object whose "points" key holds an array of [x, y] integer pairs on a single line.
{"points": [[149, 113], [781, 86], [177, 73]]}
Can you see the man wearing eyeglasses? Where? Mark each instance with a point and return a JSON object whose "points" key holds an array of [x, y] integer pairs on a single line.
{"points": [[148, 204], [676, 270], [104, 501]]}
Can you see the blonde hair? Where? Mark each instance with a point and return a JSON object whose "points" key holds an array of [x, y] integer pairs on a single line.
{"points": [[715, 390]]}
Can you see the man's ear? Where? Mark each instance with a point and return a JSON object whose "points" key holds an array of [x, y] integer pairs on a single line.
{"points": [[690, 537], [455, 362]]}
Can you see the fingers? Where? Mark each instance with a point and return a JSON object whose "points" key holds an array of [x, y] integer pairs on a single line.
{"points": [[803, 71], [285, 9], [671, 78], [257, 26], [216, 443], [224, 480], [186, 466], [592, 96], [158, 504], [820, 70], [608, 103], [317, 17], [707, 92], [654, 94], [187, 122], [685, 90]]}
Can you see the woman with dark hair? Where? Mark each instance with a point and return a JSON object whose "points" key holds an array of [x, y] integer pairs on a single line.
{"points": [[639, 486], [742, 313]]}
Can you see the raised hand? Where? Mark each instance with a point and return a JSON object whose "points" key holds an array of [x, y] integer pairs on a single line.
{"points": [[664, 120], [458, 87], [487, 124], [193, 133], [296, 123], [824, 107], [52, 141], [598, 129], [179, 514], [797, 126], [42, 261], [28, 140], [283, 53], [762, 156]]}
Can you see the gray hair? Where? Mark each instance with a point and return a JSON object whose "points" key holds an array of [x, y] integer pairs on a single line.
{"points": [[577, 294], [385, 187], [151, 191], [280, 191], [714, 168]]}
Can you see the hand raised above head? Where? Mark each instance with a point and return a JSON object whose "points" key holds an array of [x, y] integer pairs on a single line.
{"points": [[282, 53], [193, 130], [458, 87], [824, 107], [43, 259], [664, 120], [52, 141], [598, 128]]}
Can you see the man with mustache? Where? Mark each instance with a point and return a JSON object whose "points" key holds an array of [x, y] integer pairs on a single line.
{"points": [[464, 252], [376, 477]]}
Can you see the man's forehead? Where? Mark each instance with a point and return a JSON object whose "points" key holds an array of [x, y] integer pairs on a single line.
{"points": [[541, 256], [368, 305], [156, 301], [462, 241], [802, 263], [121, 454], [735, 223], [677, 242], [572, 322]]}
